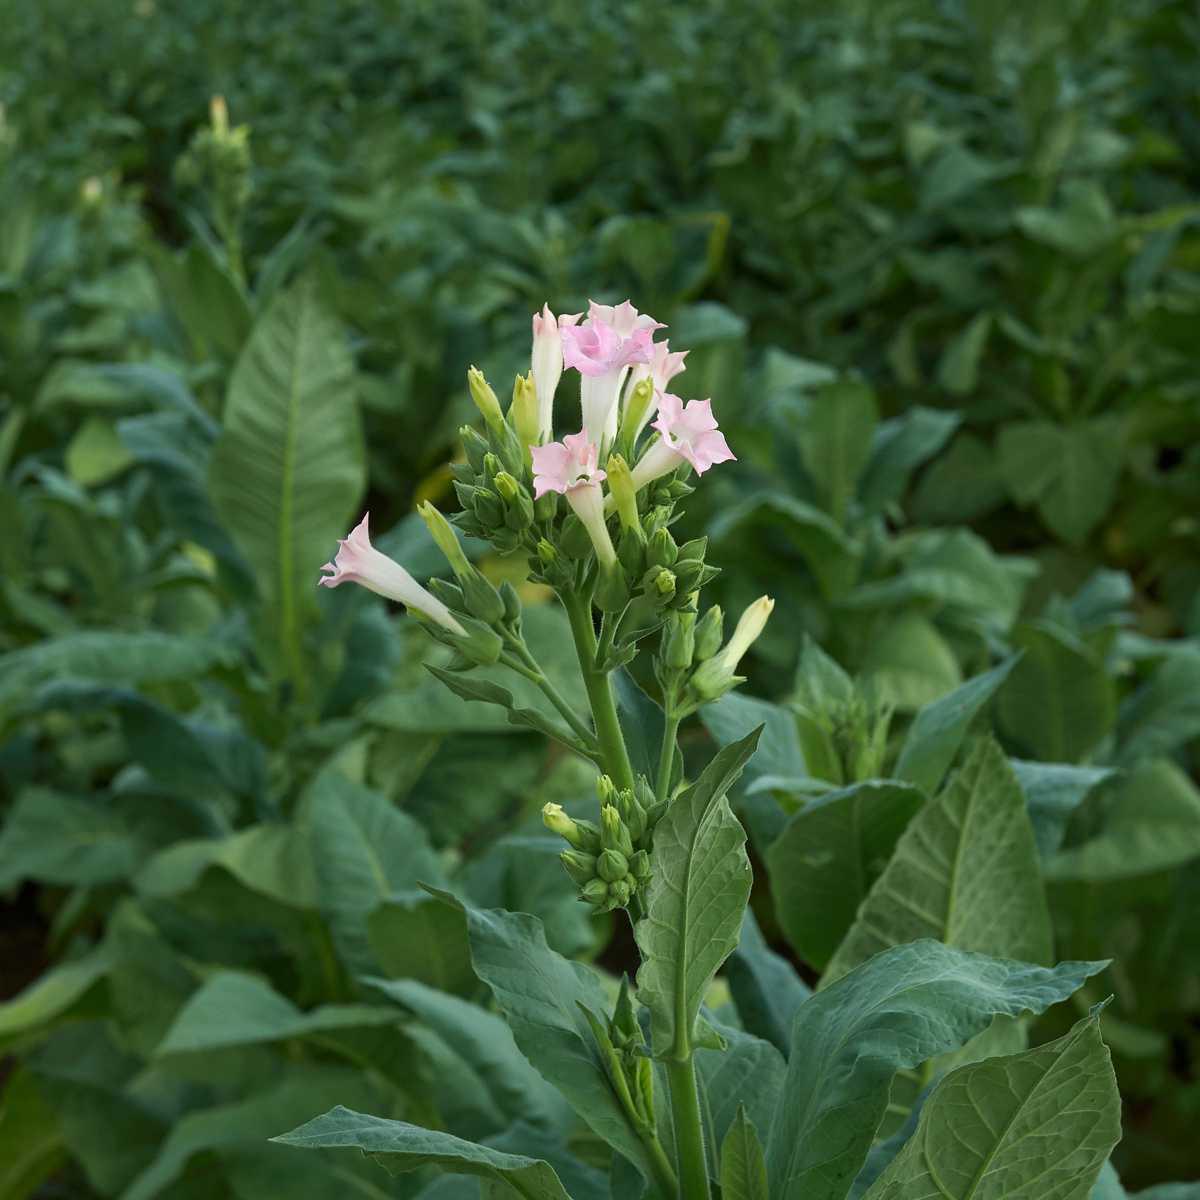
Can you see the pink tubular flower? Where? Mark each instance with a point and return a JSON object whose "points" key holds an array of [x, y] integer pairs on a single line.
{"points": [[357, 561], [569, 467], [689, 434], [547, 363], [601, 349], [561, 466]]}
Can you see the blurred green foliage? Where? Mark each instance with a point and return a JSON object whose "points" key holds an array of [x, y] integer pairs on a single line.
{"points": [[938, 264]]}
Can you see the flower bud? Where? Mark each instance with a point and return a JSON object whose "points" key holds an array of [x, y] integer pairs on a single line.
{"points": [[575, 541], [679, 640], [474, 447], [512, 602], [480, 644], [659, 584], [488, 508], [445, 537], [613, 834], [710, 629], [518, 504], [545, 507], [631, 553], [612, 591], [580, 866], [492, 467], [450, 594], [632, 814], [661, 550], [624, 1029], [583, 835], [621, 892], [612, 865], [620, 486], [637, 408], [485, 400], [639, 866], [718, 674], [524, 411], [547, 554], [606, 790], [693, 550], [595, 893]]}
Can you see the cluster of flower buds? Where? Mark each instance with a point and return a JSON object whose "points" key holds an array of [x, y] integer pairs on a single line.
{"points": [[609, 861]]}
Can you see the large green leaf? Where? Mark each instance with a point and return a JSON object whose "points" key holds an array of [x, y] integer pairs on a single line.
{"points": [[835, 440], [1059, 701], [907, 1004], [1053, 791], [288, 467], [415, 936], [542, 995], [1164, 712], [743, 1167], [399, 1147], [965, 872], [938, 729], [824, 863], [1031, 1126], [29, 1129], [234, 1009], [748, 1072], [693, 905], [899, 447]]}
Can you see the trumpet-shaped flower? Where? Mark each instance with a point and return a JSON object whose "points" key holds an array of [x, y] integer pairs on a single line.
{"points": [[569, 467], [689, 433], [357, 561], [547, 363], [611, 340], [719, 673]]}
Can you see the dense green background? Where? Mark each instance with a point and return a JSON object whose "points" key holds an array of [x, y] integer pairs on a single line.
{"points": [[938, 266]]}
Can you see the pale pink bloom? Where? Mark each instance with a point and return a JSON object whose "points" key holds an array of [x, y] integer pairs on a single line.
{"points": [[663, 366], [547, 363], [560, 466], [611, 340], [689, 434], [357, 561], [570, 467]]}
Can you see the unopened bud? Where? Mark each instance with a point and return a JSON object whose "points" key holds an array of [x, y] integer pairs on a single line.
{"points": [[488, 508], [639, 866], [612, 591], [445, 537], [547, 554], [621, 892], [637, 407], [595, 893], [710, 630], [679, 640], [659, 584], [580, 866], [613, 834], [474, 446], [620, 486], [512, 602], [661, 550], [485, 399], [606, 790], [582, 835], [524, 411], [612, 865]]}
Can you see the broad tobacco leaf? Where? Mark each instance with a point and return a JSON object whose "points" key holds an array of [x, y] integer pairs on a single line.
{"points": [[694, 901], [1032, 1126], [399, 1146], [965, 872], [895, 1011], [743, 1168]]}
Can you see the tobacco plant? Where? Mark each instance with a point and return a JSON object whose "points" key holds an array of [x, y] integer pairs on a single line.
{"points": [[690, 1104]]}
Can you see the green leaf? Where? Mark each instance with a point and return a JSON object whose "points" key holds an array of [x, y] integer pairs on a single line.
{"points": [[900, 446], [1059, 702], [743, 1167], [29, 1128], [542, 996], [288, 468], [1020, 1127], [1053, 791], [1151, 824], [693, 905], [965, 872], [1165, 712], [1080, 227], [938, 729], [235, 1009], [830, 854], [400, 1147], [765, 987], [958, 368], [417, 937], [364, 850], [909, 663], [1069, 471], [908, 1004], [748, 1072], [96, 454], [835, 440]]}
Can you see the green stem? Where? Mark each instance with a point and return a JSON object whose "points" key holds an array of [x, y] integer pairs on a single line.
{"points": [[666, 759], [535, 674], [599, 691], [689, 1131], [660, 1167]]}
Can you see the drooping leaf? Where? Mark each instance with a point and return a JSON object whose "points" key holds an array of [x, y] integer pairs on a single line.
{"points": [[743, 1167], [694, 902], [288, 467], [400, 1147], [828, 857], [965, 872], [908, 1004], [1026, 1126]]}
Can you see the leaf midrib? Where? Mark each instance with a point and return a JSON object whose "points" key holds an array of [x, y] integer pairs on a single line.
{"points": [[287, 598]]}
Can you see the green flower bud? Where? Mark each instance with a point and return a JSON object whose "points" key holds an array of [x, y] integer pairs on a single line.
{"points": [[632, 814], [661, 550], [524, 411], [624, 1029], [547, 554], [445, 537], [580, 866], [606, 790], [621, 892], [492, 467], [595, 893], [620, 486], [475, 446], [612, 591], [612, 865], [613, 833], [482, 598], [639, 866], [631, 553], [545, 507], [518, 504], [512, 603], [480, 644], [679, 640], [710, 630], [659, 584], [488, 508], [718, 674], [637, 405], [485, 399], [576, 542], [583, 835]]}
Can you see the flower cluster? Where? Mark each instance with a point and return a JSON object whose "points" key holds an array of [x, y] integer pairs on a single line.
{"points": [[591, 511]]}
